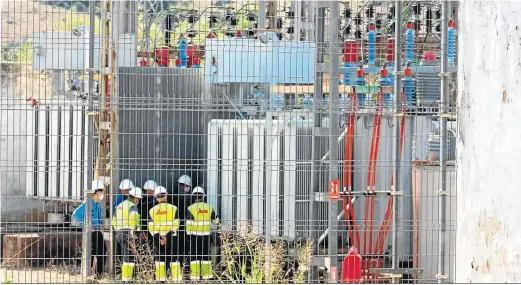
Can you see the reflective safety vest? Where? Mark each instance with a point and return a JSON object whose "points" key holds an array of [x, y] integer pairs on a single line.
{"points": [[200, 223], [164, 219], [126, 216]]}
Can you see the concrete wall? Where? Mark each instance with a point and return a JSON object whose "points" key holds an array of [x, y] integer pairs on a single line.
{"points": [[488, 233]]}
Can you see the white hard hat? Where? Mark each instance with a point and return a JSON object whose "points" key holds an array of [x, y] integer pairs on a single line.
{"points": [[136, 192], [97, 185], [126, 184], [198, 190], [160, 190], [186, 180], [150, 185]]}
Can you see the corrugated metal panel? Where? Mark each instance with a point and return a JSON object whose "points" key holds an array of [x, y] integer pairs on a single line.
{"points": [[56, 161], [243, 194]]}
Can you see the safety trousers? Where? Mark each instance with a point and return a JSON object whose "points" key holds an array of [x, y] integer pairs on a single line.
{"points": [[98, 252], [165, 257], [200, 258], [127, 268]]}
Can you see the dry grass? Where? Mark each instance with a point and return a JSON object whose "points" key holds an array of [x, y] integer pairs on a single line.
{"points": [[145, 264], [22, 18], [246, 258]]}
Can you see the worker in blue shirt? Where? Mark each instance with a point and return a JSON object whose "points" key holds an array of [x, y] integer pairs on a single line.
{"points": [[98, 242], [124, 187]]}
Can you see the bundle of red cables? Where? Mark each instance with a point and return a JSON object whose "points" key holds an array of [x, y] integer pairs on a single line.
{"points": [[349, 212]]}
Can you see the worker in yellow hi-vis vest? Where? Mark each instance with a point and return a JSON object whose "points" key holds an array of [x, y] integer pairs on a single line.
{"points": [[201, 217], [163, 228], [125, 222]]}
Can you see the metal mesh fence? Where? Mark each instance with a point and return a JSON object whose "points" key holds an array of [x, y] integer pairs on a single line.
{"points": [[318, 141]]}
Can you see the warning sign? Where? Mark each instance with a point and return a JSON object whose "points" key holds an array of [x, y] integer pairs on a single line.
{"points": [[334, 190]]}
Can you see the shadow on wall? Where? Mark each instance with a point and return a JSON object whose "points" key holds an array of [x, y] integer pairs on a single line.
{"points": [[13, 155]]}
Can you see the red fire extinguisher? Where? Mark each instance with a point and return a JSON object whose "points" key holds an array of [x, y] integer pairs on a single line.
{"points": [[352, 267]]}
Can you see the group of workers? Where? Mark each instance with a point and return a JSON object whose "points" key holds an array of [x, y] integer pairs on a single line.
{"points": [[177, 227]]}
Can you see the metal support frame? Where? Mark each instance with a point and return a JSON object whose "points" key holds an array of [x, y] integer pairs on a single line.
{"points": [[297, 10], [318, 38], [397, 162], [106, 165], [87, 237], [269, 169], [317, 97], [334, 132], [442, 274], [272, 14], [261, 17]]}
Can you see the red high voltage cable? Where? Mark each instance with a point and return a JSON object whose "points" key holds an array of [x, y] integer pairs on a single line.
{"points": [[388, 217], [371, 177], [349, 214]]}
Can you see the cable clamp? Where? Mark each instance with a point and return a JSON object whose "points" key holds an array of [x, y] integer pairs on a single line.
{"points": [[441, 192], [445, 74], [442, 277], [396, 193]]}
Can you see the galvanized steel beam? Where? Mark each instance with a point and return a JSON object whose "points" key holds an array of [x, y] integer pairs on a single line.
{"points": [[334, 102]]}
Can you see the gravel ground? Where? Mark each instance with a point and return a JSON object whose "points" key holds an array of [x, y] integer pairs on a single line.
{"points": [[37, 275]]}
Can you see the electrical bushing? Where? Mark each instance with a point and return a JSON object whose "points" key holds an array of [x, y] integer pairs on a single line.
{"points": [[349, 79], [389, 58], [451, 49], [409, 42], [385, 81], [182, 47], [409, 86], [345, 100], [307, 102], [277, 101], [371, 49], [349, 58], [360, 83], [260, 98]]}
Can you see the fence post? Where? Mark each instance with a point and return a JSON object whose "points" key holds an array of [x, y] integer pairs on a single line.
{"points": [[334, 133]]}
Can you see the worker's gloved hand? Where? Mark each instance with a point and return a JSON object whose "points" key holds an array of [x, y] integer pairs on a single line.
{"points": [[163, 240]]}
